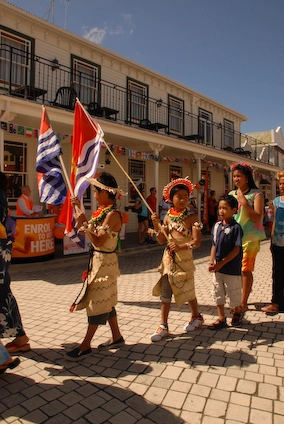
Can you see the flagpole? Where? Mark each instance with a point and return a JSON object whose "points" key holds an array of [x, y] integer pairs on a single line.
{"points": [[65, 175], [123, 170], [64, 171]]}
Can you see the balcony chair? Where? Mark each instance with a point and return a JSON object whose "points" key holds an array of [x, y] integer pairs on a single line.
{"points": [[93, 108], [241, 151], [65, 98], [144, 123]]}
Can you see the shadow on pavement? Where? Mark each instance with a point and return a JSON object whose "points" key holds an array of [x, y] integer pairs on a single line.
{"points": [[92, 401]]}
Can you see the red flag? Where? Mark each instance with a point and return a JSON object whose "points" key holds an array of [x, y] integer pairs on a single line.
{"points": [[205, 202], [87, 139]]}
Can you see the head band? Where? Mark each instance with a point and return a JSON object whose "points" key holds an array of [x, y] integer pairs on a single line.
{"points": [[280, 175], [113, 190], [184, 181], [246, 166]]}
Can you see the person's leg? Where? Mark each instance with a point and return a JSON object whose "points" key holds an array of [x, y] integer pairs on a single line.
{"points": [[145, 232], [277, 279], [250, 250], [21, 342], [196, 318], [194, 308], [86, 343], [113, 323], [165, 310], [141, 237], [221, 313], [247, 281], [166, 295], [219, 293]]}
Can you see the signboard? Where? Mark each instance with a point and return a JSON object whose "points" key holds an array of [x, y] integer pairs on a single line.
{"points": [[34, 237]]}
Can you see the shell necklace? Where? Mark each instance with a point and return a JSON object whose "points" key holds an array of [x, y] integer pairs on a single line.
{"points": [[99, 215], [177, 216]]}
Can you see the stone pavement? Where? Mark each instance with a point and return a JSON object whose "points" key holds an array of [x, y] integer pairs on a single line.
{"points": [[231, 376]]}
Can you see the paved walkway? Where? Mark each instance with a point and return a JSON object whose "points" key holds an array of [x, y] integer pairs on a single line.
{"points": [[231, 376]]}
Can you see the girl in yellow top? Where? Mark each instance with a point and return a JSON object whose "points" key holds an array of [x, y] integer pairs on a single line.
{"points": [[250, 217]]}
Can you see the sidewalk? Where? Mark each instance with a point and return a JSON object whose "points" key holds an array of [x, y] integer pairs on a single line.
{"points": [[232, 376]]}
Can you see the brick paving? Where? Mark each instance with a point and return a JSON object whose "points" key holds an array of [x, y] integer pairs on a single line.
{"points": [[233, 376]]}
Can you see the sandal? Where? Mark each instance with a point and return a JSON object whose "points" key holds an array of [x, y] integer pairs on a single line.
{"points": [[237, 320], [13, 347], [13, 364], [270, 309], [217, 325]]}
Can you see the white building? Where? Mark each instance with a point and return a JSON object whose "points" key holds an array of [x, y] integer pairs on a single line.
{"points": [[156, 127]]}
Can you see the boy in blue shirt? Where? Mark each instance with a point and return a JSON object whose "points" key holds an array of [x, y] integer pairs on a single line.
{"points": [[226, 263]]}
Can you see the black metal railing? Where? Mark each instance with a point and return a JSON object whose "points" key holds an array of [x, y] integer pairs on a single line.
{"points": [[48, 81]]}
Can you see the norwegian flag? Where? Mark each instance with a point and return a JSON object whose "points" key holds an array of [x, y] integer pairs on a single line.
{"points": [[51, 185], [87, 140]]}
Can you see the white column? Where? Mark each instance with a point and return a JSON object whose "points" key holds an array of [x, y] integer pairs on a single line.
{"points": [[198, 157], [156, 151]]}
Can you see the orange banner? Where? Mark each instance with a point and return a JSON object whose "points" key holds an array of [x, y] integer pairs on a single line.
{"points": [[34, 237]]}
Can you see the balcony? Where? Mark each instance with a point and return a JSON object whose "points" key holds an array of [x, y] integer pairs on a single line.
{"points": [[48, 82]]}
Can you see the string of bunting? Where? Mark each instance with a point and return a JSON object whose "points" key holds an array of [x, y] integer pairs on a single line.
{"points": [[33, 132]]}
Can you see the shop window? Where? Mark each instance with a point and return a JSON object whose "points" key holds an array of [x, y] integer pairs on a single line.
{"points": [[15, 167]]}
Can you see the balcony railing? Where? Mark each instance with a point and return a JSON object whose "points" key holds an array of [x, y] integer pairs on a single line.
{"points": [[36, 78]]}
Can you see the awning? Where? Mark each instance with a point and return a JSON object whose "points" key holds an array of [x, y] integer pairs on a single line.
{"points": [[264, 181]]}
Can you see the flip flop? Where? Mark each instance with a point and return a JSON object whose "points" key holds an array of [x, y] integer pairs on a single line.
{"points": [[269, 311], [15, 362], [13, 347]]}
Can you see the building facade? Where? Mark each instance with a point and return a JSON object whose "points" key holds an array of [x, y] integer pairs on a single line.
{"points": [[156, 128]]}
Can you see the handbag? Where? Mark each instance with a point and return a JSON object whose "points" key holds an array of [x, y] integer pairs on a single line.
{"points": [[139, 210]]}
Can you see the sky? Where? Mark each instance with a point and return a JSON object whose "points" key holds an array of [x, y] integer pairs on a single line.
{"points": [[228, 50]]}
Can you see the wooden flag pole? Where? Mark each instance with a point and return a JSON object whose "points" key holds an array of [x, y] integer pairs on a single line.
{"points": [[125, 173]]}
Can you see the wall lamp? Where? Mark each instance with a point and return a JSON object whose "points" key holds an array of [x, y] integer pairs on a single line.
{"points": [[159, 102], [55, 64]]}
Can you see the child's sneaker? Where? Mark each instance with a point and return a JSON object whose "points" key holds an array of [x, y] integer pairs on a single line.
{"points": [[194, 323], [161, 332]]}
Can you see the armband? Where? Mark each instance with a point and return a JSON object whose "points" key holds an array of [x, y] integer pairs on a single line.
{"points": [[197, 225], [190, 246]]}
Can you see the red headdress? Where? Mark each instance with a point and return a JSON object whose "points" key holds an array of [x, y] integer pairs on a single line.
{"points": [[244, 165], [280, 175], [184, 181]]}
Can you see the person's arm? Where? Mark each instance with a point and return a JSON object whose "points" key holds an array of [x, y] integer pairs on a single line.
{"points": [[138, 203], [227, 259], [196, 236], [273, 226], [254, 213], [160, 236], [212, 259], [79, 216]]}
